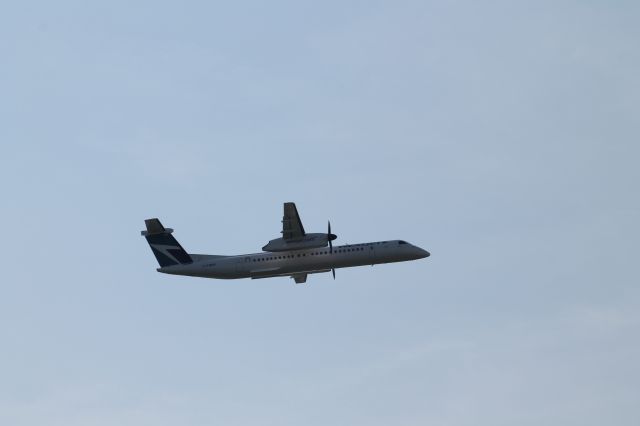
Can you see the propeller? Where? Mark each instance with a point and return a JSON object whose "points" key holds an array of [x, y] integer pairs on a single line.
{"points": [[331, 237]]}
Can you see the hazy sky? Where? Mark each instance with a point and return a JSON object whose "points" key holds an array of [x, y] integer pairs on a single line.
{"points": [[501, 136]]}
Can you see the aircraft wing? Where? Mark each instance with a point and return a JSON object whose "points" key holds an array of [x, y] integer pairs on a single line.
{"points": [[292, 228], [299, 277]]}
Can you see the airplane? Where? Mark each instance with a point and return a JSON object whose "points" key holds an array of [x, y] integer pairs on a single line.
{"points": [[296, 254]]}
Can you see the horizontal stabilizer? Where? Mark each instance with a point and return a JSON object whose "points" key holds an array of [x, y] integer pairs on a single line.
{"points": [[154, 227]]}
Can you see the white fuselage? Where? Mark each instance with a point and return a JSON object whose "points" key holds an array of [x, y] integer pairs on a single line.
{"points": [[268, 264]]}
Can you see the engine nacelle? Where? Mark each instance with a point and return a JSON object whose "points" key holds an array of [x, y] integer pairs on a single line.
{"points": [[309, 241]]}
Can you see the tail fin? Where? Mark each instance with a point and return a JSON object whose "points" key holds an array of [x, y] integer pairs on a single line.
{"points": [[167, 250]]}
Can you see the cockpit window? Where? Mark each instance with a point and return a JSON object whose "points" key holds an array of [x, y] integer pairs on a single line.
{"points": [[402, 242]]}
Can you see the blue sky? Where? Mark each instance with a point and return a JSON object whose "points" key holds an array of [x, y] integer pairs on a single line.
{"points": [[502, 137]]}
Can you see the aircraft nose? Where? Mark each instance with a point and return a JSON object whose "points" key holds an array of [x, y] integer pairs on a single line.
{"points": [[423, 253]]}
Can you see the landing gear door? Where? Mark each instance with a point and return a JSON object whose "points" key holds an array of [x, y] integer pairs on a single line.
{"points": [[372, 253], [242, 264]]}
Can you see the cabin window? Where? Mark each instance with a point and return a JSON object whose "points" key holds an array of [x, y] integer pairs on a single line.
{"points": [[402, 242]]}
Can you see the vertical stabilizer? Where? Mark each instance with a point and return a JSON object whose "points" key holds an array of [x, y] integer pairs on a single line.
{"points": [[166, 249]]}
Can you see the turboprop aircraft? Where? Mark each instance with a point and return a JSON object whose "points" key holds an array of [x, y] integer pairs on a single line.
{"points": [[296, 254]]}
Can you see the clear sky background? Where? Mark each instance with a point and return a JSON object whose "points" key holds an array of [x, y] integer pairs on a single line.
{"points": [[501, 136]]}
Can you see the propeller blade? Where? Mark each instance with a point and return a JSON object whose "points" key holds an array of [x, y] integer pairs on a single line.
{"points": [[330, 243], [334, 273]]}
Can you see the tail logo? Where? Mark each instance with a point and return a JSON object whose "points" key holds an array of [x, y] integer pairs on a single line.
{"points": [[168, 251]]}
